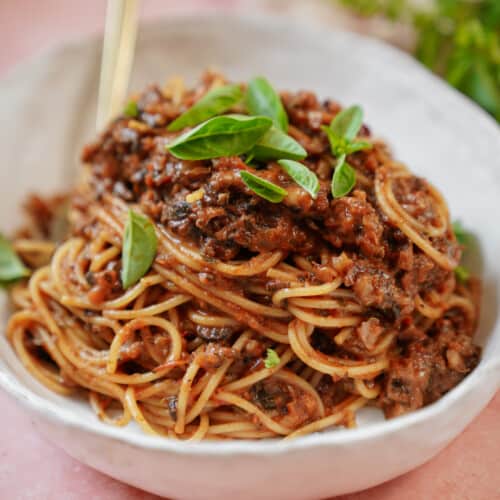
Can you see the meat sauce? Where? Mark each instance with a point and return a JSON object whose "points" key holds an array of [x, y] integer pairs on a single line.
{"points": [[228, 221]]}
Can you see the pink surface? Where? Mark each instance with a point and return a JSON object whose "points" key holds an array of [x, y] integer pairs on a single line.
{"points": [[31, 468]]}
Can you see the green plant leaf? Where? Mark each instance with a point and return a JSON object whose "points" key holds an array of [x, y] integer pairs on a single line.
{"points": [[344, 178], [461, 234], [302, 175], [262, 99], [347, 123], [131, 110], [358, 146], [139, 248], [275, 145], [213, 103], [272, 359], [462, 274], [11, 267], [226, 135], [265, 189]]}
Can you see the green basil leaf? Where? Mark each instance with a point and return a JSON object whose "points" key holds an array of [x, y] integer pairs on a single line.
{"points": [[139, 248], [213, 103], [131, 110], [262, 99], [227, 135], [275, 145], [11, 266], [347, 123], [265, 189], [462, 236], [338, 144], [462, 274], [272, 359], [344, 178], [358, 146], [302, 175]]}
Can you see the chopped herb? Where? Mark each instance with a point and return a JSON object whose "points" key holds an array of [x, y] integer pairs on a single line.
{"points": [[213, 103], [227, 135], [131, 110], [344, 178], [265, 189], [11, 267], [262, 99], [462, 274], [139, 248], [302, 175], [272, 359]]}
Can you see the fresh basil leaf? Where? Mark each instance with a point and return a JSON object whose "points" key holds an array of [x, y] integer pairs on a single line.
{"points": [[131, 110], [139, 248], [358, 146], [275, 145], [302, 175], [272, 359], [11, 266], [462, 274], [213, 103], [226, 135], [462, 236], [338, 144], [265, 189], [262, 99], [347, 123], [344, 178]]}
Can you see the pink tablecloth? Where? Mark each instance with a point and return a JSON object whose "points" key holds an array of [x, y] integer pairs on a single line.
{"points": [[31, 468]]}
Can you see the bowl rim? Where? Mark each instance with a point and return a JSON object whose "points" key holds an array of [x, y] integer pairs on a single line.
{"points": [[442, 94]]}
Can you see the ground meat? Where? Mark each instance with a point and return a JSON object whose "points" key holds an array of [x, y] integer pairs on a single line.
{"points": [[104, 285], [428, 369], [213, 356]]}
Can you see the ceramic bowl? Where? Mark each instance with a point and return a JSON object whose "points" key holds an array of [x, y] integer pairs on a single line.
{"points": [[48, 108]]}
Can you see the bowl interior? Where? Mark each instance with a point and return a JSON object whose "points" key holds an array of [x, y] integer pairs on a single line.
{"points": [[48, 109]]}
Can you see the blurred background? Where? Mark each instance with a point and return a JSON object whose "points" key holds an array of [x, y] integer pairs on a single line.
{"points": [[457, 39]]}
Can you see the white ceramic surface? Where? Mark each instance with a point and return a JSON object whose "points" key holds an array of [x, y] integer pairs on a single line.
{"points": [[48, 113]]}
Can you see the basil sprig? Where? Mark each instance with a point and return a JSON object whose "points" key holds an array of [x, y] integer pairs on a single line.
{"points": [[275, 145], [213, 103], [341, 133], [262, 99], [11, 267], [265, 189], [344, 178], [226, 135], [139, 248], [304, 177]]}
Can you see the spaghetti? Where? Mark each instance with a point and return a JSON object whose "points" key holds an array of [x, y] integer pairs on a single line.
{"points": [[355, 296]]}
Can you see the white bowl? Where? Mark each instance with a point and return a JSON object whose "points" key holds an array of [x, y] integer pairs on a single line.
{"points": [[48, 112]]}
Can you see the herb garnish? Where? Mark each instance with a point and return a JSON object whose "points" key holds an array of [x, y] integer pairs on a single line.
{"points": [[131, 109], [463, 238], [213, 103], [139, 248], [344, 178], [272, 359], [262, 99], [341, 134], [461, 234], [11, 266], [276, 145], [462, 274], [302, 175], [265, 189], [227, 135]]}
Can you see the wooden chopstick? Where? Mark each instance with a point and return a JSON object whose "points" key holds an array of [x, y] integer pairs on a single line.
{"points": [[117, 58]]}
